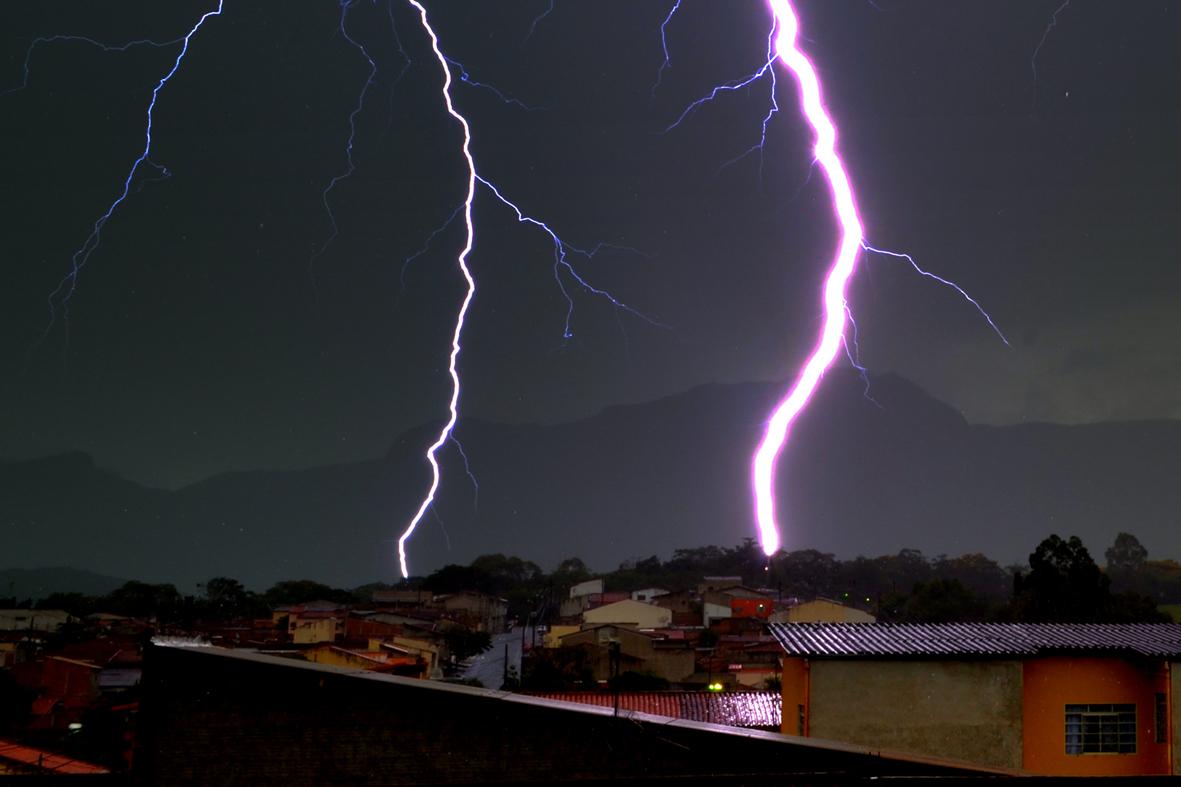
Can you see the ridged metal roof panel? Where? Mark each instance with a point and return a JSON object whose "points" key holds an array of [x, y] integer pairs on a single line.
{"points": [[975, 639]]}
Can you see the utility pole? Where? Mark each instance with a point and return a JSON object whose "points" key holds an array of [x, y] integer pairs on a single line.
{"points": [[613, 670]]}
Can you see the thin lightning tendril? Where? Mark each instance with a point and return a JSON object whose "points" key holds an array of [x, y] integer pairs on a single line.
{"points": [[562, 250], [505, 98], [24, 83], [60, 297], [1041, 43], [664, 64], [549, 9], [944, 282], [350, 164]]}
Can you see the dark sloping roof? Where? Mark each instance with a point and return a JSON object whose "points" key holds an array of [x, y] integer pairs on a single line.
{"points": [[975, 639], [737, 709]]}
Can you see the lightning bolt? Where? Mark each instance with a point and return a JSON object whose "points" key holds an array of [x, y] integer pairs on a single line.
{"points": [[850, 242], [561, 266], [60, 297], [350, 165], [664, 64], [24, 83], [1041, 43], [461, 260]]}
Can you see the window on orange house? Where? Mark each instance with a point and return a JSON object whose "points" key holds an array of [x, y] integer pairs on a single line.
{"points": [[1101, 729], [1162, 717]]}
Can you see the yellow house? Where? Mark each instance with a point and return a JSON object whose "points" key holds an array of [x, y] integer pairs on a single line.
{"points": [[1054, 699], [637, 614], [822, 610]]}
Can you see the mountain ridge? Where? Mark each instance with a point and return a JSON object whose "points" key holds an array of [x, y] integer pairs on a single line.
{"points": [[860, 476]]}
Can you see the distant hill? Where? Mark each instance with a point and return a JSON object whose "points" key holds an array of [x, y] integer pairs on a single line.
{"points": [[37, 583], [859, 478]]}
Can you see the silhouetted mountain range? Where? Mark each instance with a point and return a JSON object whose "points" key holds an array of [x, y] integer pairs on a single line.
{"points": [[859, 478]]}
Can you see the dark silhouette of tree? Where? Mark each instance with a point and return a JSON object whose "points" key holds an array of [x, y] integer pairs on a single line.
{"points": [[300, 591], [943, 601], [1064, 585], [1126, 554], [977, 573], [227, 598], [142, 600]]}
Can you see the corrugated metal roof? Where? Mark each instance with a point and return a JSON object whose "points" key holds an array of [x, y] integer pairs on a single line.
{"points": [[974, 639], [737, 709]]}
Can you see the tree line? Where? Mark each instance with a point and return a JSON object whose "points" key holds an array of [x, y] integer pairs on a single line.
{"points": [[1060, 582]]}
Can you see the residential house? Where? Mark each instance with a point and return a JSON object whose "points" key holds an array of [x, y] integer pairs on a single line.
{"points": [[478, 611], [710, 584], [627, 612], [638, 651], [44, 620], [685, 606], [1056, 699], [375, 656], [720, 603], [579, 598], [315, 621], [823, 610], [403, 598], [648, 594]]}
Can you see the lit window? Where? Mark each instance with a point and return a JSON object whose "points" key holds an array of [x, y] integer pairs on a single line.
{"points": [[1101, 729]]}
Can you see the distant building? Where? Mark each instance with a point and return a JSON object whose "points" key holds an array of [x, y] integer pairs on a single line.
{"points": [[479, 611], [638, 651], [1056, 699], [44, 620], [648, 594], [403, 598], [710, 584], [720, 603], [315, 621], [823, 610], [627, 612]]}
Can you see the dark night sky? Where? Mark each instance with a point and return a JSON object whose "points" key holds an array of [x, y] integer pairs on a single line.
{"points": [[203, 337]]}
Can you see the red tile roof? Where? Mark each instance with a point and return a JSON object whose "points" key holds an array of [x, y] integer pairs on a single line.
{"points": [[975, 639], [737, 709], [44, 760]]}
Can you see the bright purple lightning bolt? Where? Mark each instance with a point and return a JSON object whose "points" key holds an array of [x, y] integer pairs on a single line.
{"points": [[851, 242], [845, 206]]}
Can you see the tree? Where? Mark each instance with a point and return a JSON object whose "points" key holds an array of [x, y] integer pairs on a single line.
{"points": [[462, 642], [298, 591], [228, 598], [942, 601], [1126, 554], [1063, 585], [142, 600]]}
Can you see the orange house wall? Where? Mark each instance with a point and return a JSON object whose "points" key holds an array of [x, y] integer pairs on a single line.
{"points": [[1053, 682], [795, 693]]}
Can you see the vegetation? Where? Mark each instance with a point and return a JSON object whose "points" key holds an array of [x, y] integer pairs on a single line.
{"points": [[1061, 582]]}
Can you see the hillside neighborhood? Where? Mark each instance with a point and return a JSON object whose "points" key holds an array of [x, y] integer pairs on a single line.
{"points": [[717, 649]]}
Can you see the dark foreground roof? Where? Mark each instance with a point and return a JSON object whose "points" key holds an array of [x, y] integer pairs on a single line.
{"points": [[734, 709], [1161, 640], [224, 717]]}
